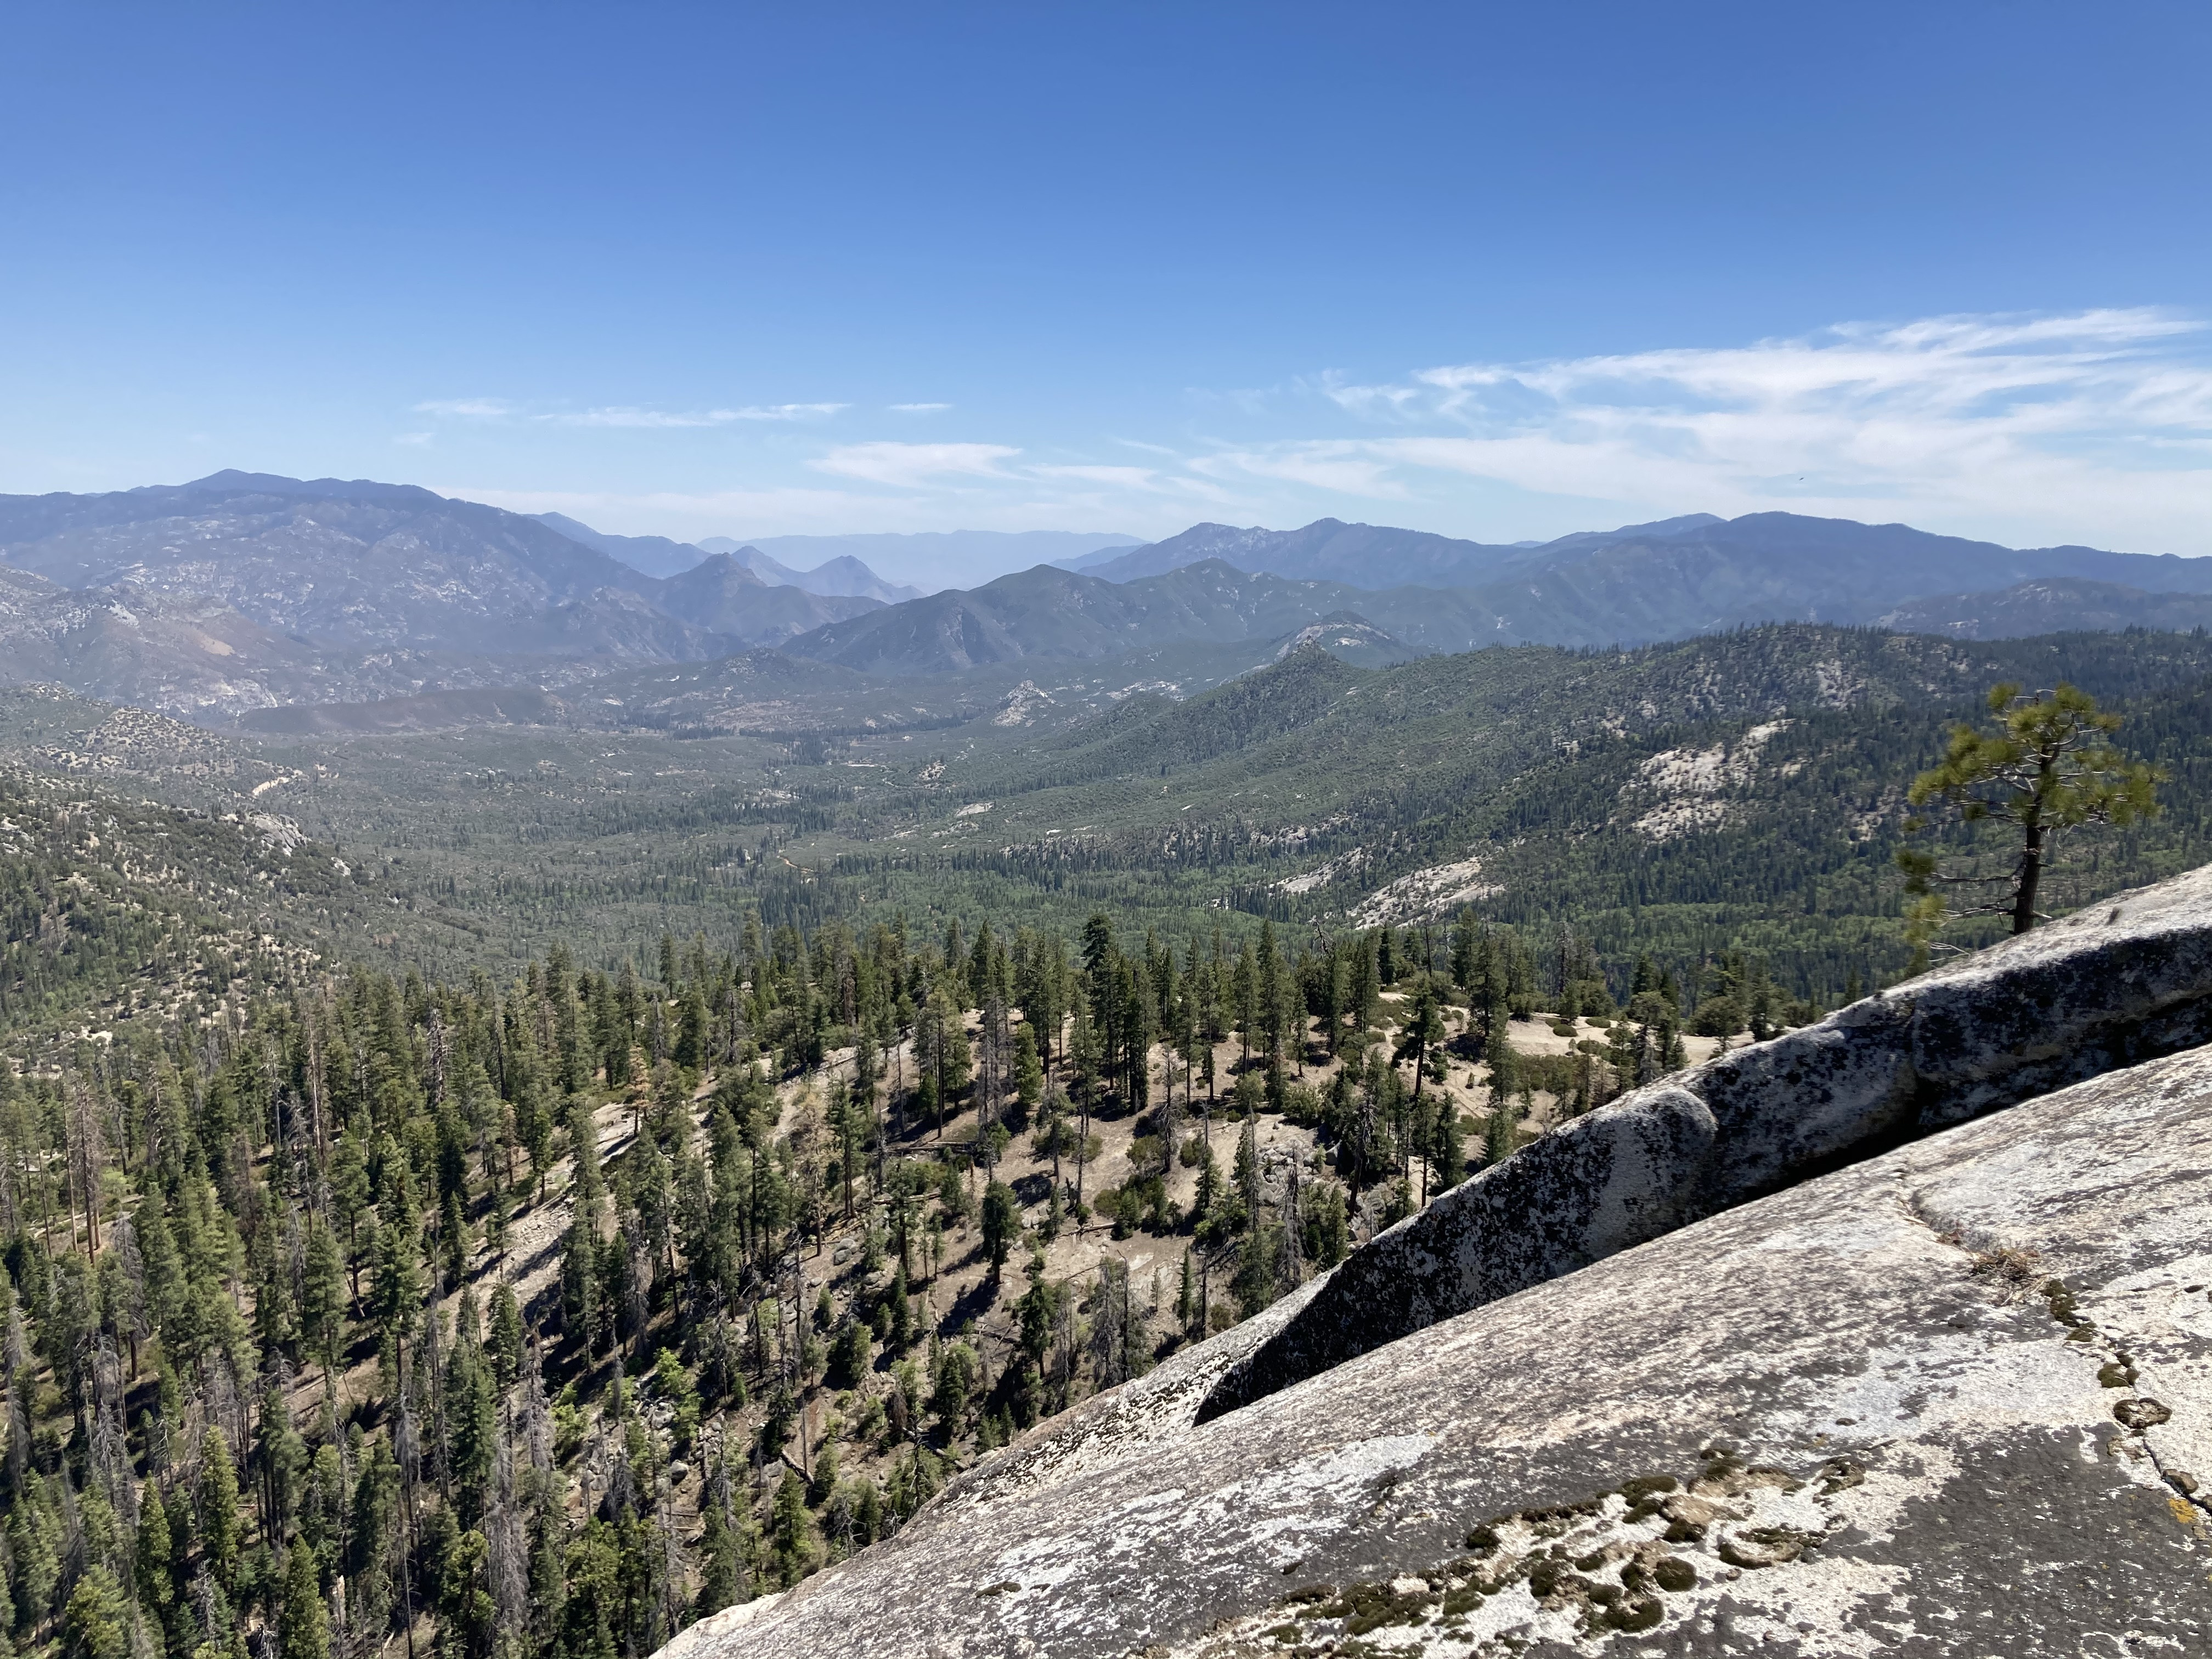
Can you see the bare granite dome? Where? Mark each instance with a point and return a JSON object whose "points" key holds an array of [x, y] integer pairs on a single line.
{"points": [[1948, 1393]]}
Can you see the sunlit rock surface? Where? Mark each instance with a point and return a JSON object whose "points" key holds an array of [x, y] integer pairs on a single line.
{"points": [[1952, 1398], [2125, 982]]}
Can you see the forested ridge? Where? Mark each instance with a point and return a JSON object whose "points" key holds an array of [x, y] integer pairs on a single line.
{"points": [[1743, 791], [360, 1314]]}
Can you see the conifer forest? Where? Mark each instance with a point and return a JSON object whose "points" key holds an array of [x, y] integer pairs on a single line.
{"points": [[541, 1317]]}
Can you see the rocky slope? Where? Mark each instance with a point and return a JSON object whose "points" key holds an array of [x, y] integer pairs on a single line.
{"points": [[246, 591], [1949, 1396], [336, 561], [2102, 989], [197, 658]]}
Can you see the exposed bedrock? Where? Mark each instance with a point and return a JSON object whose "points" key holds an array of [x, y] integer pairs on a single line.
{"points": [[1811, 1350], [1954, 1400], [2127, 982]]}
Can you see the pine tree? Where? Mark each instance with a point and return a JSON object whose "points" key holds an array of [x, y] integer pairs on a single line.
{"points": [[792, 1531], [1448, 1154], [1002, 1225], [723, 1556], [219, 1521], [580, 1314], [1498, 1054], [303, 1626], [505, 1340], [1500, 1136], [850, 1358], [323, 1293], [2050, 769], [96, 1621], [955, 1382], [154, 1549]]}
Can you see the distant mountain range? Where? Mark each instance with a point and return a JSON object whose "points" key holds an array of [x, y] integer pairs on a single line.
{"points": [[1799, 562], [1046, 611], [937, 559], [198, 658], [840, 577], [241, 590], [248, 590], [722, 593], [1329, 551], [649, 556], [327, 561], [1672, 580]]}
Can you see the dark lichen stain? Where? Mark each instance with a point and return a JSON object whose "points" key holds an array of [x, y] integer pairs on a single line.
{"points": [[2060, 1301], [1766, 1547], [1675, 1575], [1560, 1575], [1364, 1607], [1643, 1614], [1840, 1474]]}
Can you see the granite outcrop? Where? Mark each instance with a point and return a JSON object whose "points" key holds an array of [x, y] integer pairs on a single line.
{"points": [[2128, 981], [1891, 1336]]}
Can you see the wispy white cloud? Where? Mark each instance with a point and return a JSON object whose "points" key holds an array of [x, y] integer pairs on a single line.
{"points": [[1384, 401], [2096, 426], [1251, 401], [689, 514], [1126, 478], [919, 408], [907, 465], [624, 416], [1345, 466], [782, 412]]}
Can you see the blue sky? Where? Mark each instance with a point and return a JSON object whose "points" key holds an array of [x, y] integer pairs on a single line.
{"points": [[1502, 271]]}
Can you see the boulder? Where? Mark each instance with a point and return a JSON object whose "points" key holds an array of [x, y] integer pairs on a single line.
{"points": [[1954, 1399]]}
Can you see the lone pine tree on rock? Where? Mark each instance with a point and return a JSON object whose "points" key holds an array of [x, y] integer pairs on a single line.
{"points": [[2048, 767]]}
